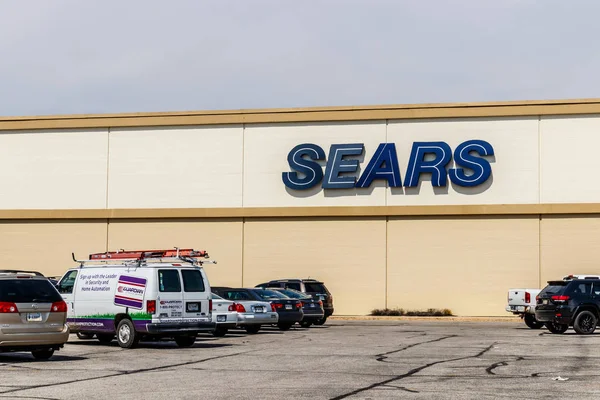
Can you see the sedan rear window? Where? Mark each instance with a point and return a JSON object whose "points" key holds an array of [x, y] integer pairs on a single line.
{"points": [[192, 280], [269, 294], [28, 291]]}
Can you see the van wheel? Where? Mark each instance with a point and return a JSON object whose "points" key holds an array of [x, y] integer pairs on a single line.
{"points": [[44, 354], [585, 323], [105, 338], [531, 322], [185, 341], [220, 332], [83, 336], [557, 328], [253, 329], [127, 337]]}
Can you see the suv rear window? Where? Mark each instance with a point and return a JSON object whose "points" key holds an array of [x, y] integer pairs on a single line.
{"points": [[192, 280], [554, 287], [315, 287], [28, 291]]}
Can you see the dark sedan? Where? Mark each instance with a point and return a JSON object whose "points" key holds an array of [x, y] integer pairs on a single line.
{"points": [[313, 308], [288, 310]]}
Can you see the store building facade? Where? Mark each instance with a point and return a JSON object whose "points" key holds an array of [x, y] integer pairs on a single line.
{"points": [[411, 206]]}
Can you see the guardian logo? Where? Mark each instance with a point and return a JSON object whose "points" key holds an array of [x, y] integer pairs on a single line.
{"points": [[468, 156]]}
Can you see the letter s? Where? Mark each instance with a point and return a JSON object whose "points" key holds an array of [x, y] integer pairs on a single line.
{"points": [[480, 166], [297, 162]]}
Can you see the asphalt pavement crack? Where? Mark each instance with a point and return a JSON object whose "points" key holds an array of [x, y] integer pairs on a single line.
{"points": [[381, 357], [410, 373], [491, 368]]}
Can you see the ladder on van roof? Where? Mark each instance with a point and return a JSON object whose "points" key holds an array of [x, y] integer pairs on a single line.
{"points": [[143, 256]]}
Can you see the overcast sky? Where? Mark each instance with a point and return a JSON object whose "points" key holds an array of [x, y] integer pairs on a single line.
{"points": [[74, 56]]}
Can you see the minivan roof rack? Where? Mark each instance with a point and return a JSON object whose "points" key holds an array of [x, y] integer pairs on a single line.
{"points": [[18, 271], [143, 256]]}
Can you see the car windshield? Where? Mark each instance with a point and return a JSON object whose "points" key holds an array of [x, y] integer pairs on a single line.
{"points": [[554, 287], [28, 291], [313, 287], [293, 294], [269, 294]]}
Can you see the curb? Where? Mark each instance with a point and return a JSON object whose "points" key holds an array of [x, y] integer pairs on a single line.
{"points": [[406, 318]]}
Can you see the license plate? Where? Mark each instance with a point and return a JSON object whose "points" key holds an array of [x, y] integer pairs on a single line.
{"points": [[34, 317], [259, 309], [288, 306], [192, 307], [545, 301], [312, 305], [221, 318]]}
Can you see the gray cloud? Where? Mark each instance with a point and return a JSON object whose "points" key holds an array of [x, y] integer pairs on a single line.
{"points": [[69, 56]]}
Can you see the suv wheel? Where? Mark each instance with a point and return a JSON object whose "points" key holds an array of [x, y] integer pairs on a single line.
{"points": [[585, 323], [531, 322], [557, 328], [44, 354], [321, 321], [127, 337]]}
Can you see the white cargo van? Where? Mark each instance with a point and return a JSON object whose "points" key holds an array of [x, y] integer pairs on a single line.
{"points": [[137, 295]]}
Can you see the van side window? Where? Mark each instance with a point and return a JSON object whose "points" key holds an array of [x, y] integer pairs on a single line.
{"points": [[192, 280], [66, 284], [168, 280]]}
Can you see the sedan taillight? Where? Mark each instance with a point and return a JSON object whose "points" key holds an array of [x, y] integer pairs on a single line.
{"points": [[240, 308], [232, 307]]}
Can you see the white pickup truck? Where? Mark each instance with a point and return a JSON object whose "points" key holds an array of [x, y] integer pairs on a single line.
{"points": [[522, 302]]}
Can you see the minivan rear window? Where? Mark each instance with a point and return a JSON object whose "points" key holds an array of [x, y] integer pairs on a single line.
{"points": [[28, 291], [192, 280], [315, 287], [168, 281]]}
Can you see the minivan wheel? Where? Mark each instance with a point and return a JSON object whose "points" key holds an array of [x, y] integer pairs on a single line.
{"points": [[127, 337], [585, 323], [557, 328], [105, 338], [43, 354], [531, 322], [185, 340]]}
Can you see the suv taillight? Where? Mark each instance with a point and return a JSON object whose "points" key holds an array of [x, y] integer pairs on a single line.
{"points": [[59, 306], [239, 308], [151, 306], [560, 298], [8, 308], [527, 297]]}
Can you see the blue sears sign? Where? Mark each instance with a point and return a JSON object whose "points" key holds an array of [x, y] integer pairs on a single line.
{"points": [[384, 165]]}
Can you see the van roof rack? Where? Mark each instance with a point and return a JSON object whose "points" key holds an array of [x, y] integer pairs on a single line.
{"points": [[18, 271], [143, 256]]}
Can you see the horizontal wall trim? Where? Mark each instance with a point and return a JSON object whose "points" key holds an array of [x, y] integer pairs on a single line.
{"points": [[288, 212], [311, 114]]}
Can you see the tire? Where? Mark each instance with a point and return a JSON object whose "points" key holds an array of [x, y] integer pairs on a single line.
{"points": [[321, 321], [185, 340], [531, 322], [84, 336], [284, 326], [305, 324], [585, 323], [220, 332], [44, 354], [557, 328], [252, 329], [105, 338], [127, 337]]}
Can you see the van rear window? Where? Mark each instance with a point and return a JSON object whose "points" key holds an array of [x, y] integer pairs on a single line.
{"points": [[168, 280], [28, 291], [192, 281]]}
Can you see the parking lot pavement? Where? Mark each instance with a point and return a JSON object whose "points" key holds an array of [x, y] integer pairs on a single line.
{"points": [[343, 359]]}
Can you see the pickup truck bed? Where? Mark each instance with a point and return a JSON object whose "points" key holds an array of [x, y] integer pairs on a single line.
{"points": [[522, 302]]}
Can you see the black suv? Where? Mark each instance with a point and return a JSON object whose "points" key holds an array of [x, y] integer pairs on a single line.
{"points": [[571, 302], [312, 287]]}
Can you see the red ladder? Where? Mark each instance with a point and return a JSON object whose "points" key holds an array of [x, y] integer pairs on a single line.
{"points": [[142, 254]]}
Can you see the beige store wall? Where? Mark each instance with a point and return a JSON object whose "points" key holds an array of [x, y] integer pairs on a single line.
{"points": [[464, 264], [222, 239], [569, 245], [347, 254], [47, 246]]}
